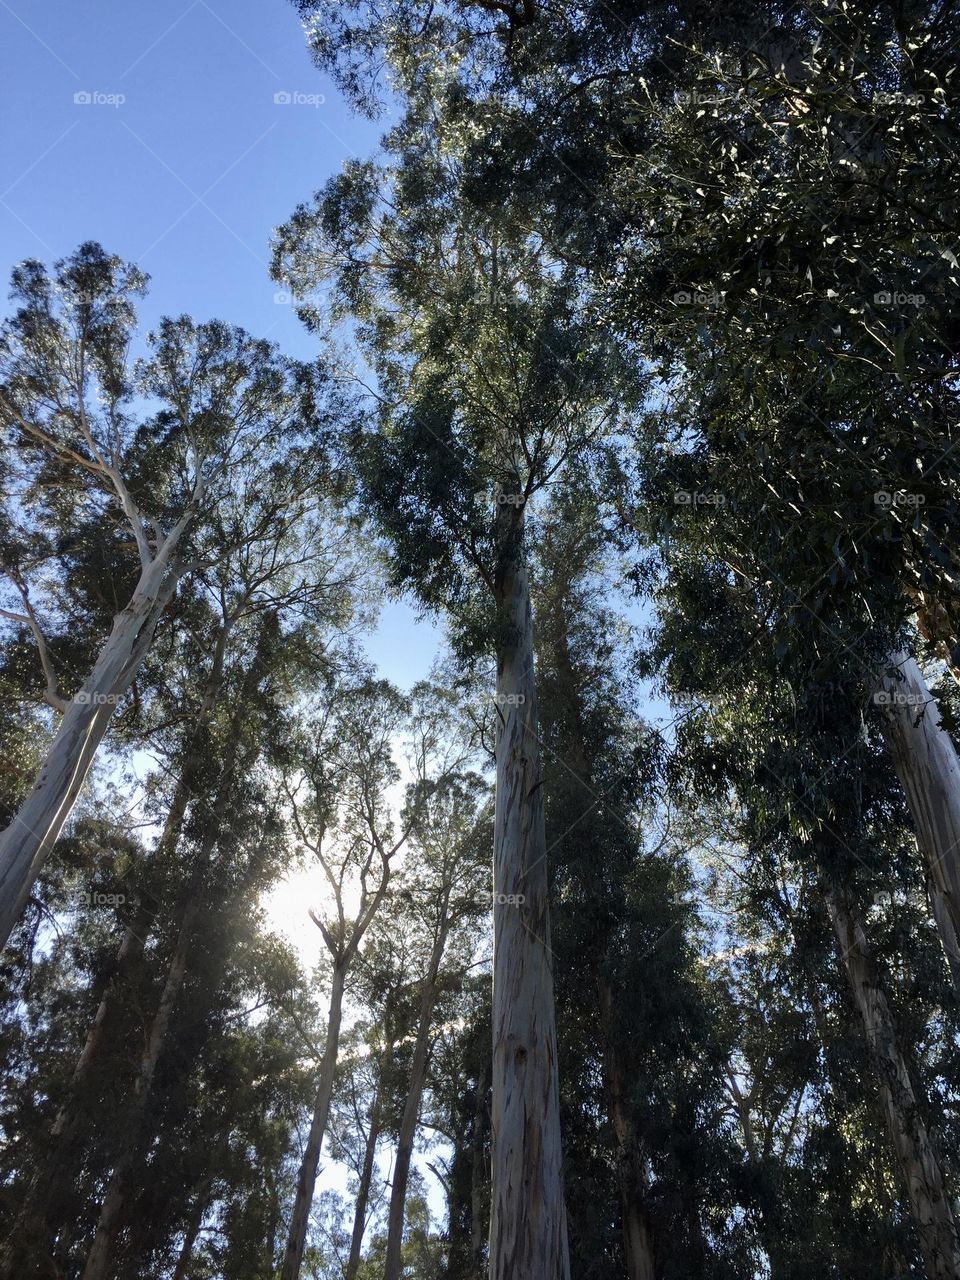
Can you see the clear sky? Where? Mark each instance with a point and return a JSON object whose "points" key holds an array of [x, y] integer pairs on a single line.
{"points": [[182, 160]]}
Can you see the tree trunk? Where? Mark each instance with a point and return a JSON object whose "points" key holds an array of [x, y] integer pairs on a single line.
{"points": [[25, 843], [411, 1108], [637, 1237], [528, 1230], [307, 1177], [111, 1211], [363, 1191], [918, 1159], [193, 1230], [478, 1177], [929, 771]]}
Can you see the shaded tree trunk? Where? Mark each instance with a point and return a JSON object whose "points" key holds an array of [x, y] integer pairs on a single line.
{"points": [[920, 1163], [478, 1177], [111, 1211], [27, 841], [411, 1108], [528, 1230], [363, 1190], [929, 771], [637, 1235], [307, 1177], [185, 1259]]}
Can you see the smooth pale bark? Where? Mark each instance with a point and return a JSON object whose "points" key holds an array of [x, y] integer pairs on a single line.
{"points": [[528, 1228], [50, 1177], [363, 1190], [27, 841], [919, 1161], [307, 1177], [637, 1236], [411, 1108], [926, 763]]}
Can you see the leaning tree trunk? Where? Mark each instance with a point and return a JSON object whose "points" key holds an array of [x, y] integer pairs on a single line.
{"points": [[26, 842], [55, 1170], [363, 1190], [185, 1260], [917, 1156], [528, 1228], [411, 1109], [929, 771], [307, 1177]]}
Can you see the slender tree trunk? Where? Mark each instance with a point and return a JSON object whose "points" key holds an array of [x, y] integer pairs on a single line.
{"points": [[114, 1202], [307, 1177], [929, 771], [478, 1177], [26, 842], [193, 1230], [919, 1161], [528, 1229], [411, 1108], [637, 1236], [56, 1169], [363, 1191]]}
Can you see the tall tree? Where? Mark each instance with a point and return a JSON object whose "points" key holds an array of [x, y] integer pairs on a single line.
{"points": [[68, 389]]}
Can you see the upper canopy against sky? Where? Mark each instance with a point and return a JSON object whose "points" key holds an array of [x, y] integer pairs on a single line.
{"points": [[178, 135]]}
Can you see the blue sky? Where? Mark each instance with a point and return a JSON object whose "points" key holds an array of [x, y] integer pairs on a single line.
{"points": [[183, 161]]}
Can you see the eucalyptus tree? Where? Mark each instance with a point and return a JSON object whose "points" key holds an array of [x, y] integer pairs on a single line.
{"points": [[489, 387], [151, 459], [341, 790], [446, 889], [787, 739], [738, 185]]}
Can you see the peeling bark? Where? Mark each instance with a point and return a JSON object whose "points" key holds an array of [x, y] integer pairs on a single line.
{"points": [[920, 1163], [528, 1230]]}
